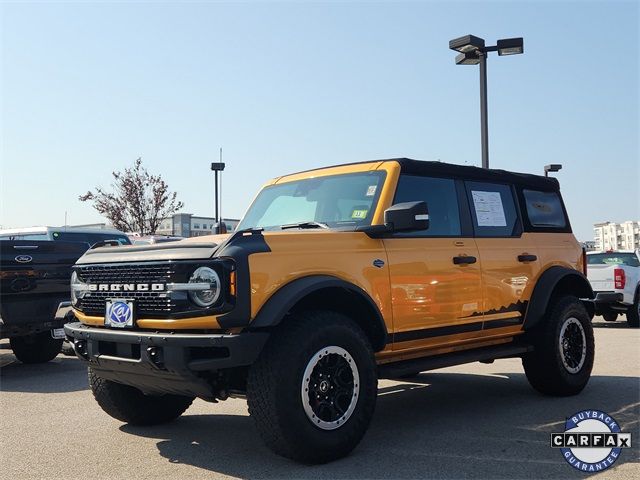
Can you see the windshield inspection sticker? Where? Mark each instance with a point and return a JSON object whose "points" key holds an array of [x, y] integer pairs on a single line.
{"points": [[592, 441], [360, 214], [489, 209], [371, 191]]}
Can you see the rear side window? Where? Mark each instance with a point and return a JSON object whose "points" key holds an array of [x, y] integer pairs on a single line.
{"points": [[544, 209], [442, 201], [493, 210]]}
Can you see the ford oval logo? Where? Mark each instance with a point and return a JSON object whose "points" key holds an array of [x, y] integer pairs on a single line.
{"points": [[24, 258], [119, 314]]}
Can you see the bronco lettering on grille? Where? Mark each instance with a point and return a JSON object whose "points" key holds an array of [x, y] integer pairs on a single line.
{"points": [[126, 287]]}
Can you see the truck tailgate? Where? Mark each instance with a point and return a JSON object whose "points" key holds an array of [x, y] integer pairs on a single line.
{"points": [[601, 277], [34, 279]]}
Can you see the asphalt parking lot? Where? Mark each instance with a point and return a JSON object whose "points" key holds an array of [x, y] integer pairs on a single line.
{"points": [[470, 421]]}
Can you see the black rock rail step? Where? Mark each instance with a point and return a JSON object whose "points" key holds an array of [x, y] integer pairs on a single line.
{"points": [[406, 367]]}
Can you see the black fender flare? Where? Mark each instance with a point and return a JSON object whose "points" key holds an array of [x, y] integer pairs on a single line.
{"points": [[281, 302], [545, 287]]}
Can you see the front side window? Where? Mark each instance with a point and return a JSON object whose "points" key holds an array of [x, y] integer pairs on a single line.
{"points": [[544, 209], [338, 201], [493, 209], [442, 202]]}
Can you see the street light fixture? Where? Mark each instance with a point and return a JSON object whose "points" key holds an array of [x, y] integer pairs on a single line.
{"points": [[468, 43], [467, 58], [510, 46], [472, 52], [554, 167]]}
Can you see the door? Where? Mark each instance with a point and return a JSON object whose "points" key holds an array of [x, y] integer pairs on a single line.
{"points": [[509, 258], [434, 274]]}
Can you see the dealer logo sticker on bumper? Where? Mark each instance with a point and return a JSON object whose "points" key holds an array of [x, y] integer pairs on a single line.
{"points": [[119, 313]]}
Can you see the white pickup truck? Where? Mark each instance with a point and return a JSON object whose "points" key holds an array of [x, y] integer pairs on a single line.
{"points": [[615, 279]]}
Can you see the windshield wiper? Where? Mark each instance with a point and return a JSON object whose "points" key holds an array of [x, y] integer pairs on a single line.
{"points": [[304, 225]]}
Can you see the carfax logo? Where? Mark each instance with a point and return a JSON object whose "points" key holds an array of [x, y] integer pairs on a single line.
{"points": [[591, 441]]}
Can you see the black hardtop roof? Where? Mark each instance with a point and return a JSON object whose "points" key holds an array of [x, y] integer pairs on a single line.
{"points": [[422, 167], [425, 167]]}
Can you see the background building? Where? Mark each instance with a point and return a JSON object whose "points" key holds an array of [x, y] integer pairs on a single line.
{"points": [[617, 236], [188, 225]]}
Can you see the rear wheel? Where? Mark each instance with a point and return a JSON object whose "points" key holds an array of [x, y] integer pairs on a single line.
{"points": [[610, 317], [564, 350], [633, 313], [37, 348], [312, 391], [130, 405]]}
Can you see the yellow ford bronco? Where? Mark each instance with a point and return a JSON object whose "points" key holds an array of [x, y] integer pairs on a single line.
{"points": [[335, 278]]}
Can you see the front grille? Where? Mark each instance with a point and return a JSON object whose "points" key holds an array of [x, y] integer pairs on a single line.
{"points": [[140, 273], [146, 303]]}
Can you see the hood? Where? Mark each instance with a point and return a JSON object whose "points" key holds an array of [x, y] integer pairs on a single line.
{"points": [[189, 249], [217, 239]]}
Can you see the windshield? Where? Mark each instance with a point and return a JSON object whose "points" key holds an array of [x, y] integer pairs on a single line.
{"points": [[612, 258], [336, 201]]}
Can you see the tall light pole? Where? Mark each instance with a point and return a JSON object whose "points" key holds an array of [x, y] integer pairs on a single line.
{"points": [[472, 52], [217, 167]]}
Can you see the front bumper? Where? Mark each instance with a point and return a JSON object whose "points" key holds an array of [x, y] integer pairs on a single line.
{"points": [[11, 328], [156, 363]]}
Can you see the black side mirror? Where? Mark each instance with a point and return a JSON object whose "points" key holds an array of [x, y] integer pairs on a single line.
{"points": [[404, 217]]}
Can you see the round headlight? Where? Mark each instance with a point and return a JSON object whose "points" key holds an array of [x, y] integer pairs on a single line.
{"points": [[77, 288], [211, 287]]}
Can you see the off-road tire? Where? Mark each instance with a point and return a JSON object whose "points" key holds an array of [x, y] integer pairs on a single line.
{"points": [[36, 348], [130, 405], [275, 381], [610, 317], [544, 366], [633, 312]]}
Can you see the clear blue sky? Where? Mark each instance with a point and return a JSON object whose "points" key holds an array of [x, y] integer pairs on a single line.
{"points": [[88, 87]]}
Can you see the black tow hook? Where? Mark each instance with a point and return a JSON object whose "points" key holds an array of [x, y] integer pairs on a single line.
{"points": [[80, 347], [156, 357]]}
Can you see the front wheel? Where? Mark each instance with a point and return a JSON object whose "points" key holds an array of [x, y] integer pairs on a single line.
{"points": [[130, 405], [37, 348], [312, 391], [564, 350]]}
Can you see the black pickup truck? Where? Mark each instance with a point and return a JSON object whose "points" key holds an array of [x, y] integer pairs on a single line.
{"points": [[35, 295]]}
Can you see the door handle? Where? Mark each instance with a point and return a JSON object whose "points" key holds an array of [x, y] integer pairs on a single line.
{"points": [[527, 258], [463, 259]]}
